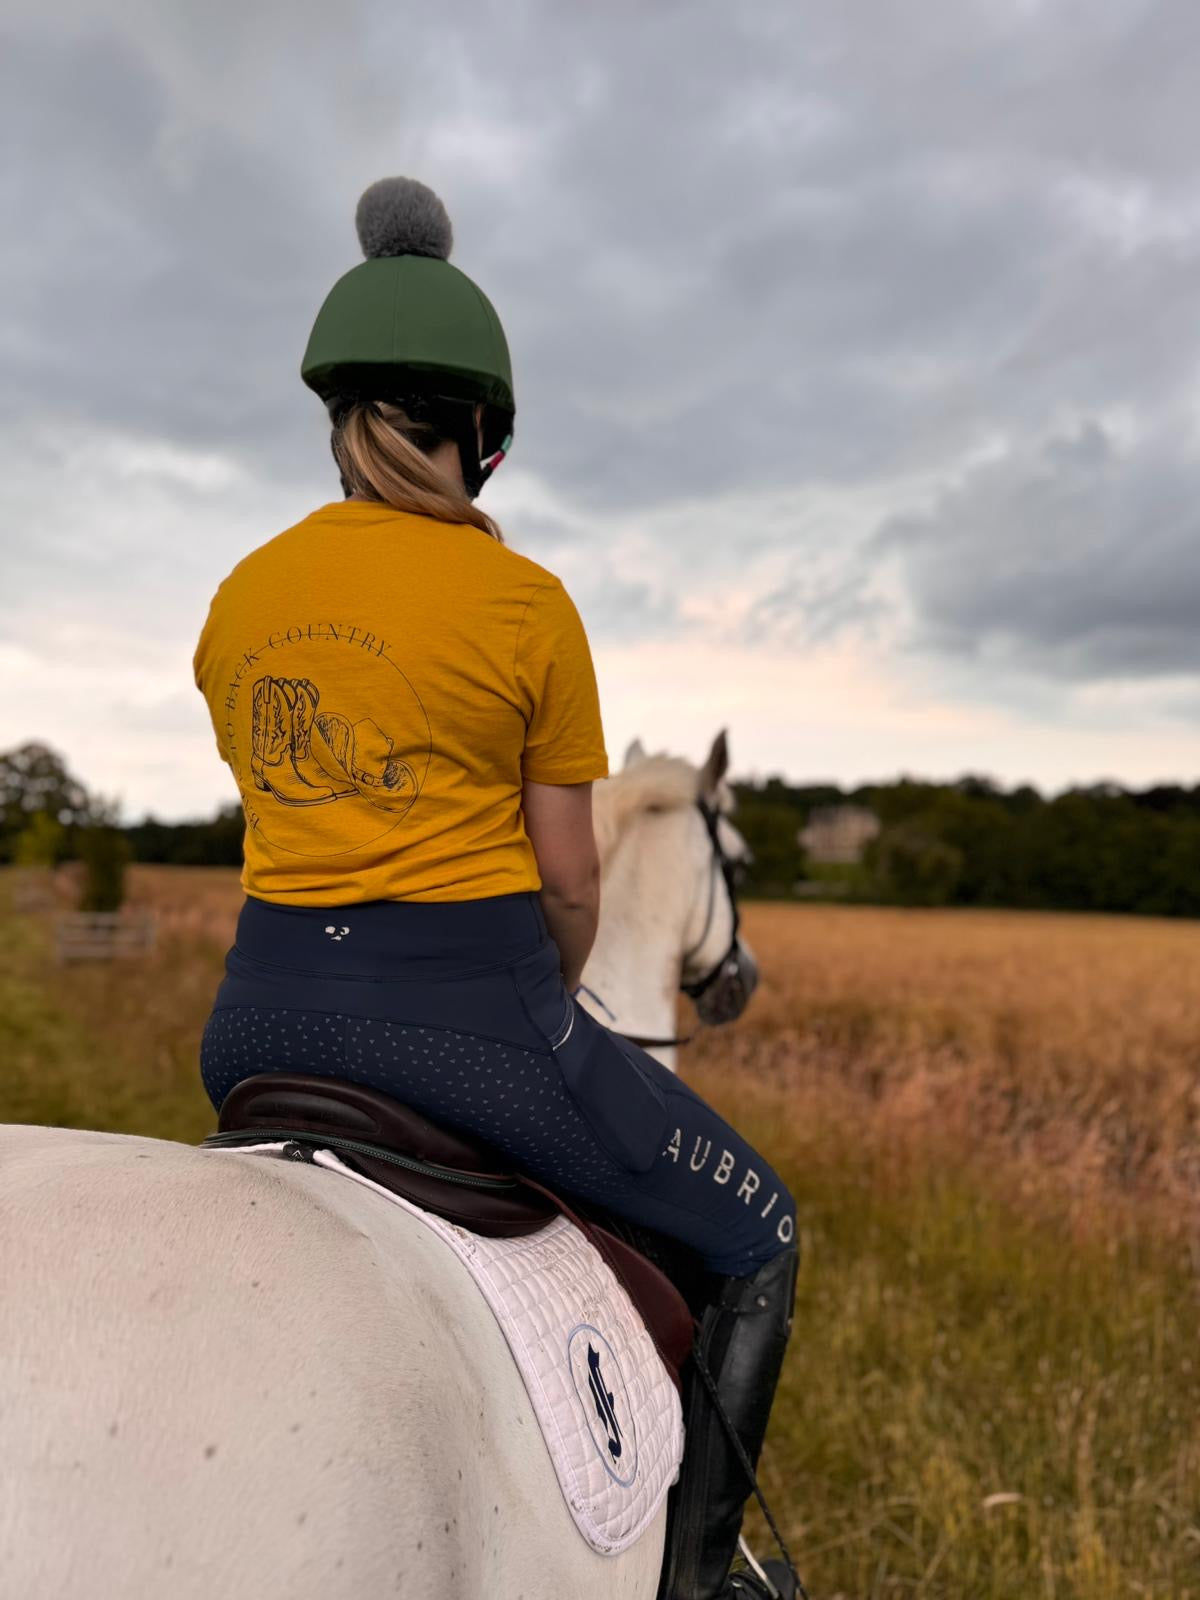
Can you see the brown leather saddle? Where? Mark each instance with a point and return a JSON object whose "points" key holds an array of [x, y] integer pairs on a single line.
{"points": [[464, 1181]]}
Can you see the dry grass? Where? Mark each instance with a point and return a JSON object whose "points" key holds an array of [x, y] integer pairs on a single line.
{"points": [[116, 1046], [1057, 1054], [200, 903], [989, 1123]]}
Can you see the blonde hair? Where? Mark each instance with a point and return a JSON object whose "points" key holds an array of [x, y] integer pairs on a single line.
{"points": [[383, 454]]}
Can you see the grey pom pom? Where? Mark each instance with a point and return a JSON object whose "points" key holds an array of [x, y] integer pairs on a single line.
{"points": [[401, 217]]}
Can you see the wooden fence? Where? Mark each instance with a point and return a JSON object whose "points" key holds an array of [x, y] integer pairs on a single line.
{"points": [[103, 935]]}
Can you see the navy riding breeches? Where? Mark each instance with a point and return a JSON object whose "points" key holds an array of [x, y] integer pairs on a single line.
{"points": [[459, 1010]]}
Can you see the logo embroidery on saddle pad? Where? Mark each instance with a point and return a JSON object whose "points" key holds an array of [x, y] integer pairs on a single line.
{"points": [[600, 1388]]}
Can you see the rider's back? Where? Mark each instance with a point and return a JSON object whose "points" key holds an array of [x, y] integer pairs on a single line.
{"points": [[381, 685]]}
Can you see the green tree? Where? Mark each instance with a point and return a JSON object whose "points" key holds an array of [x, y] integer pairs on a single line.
{"points": [[213, 843], [40, 843], [910, 864], [770, 828], [34, 780], [105, 853]]}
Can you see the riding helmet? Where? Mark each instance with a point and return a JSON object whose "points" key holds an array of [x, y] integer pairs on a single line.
{"points": [[405, 324]]}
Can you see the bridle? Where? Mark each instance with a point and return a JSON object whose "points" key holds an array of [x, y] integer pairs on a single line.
{"points": [[728, 870], [727, 971]]}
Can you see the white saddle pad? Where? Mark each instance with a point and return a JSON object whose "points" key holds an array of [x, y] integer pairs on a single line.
{"points": [[609, 1413]]}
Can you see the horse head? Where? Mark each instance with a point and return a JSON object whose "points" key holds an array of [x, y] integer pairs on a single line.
{"points": [[671, 860]]}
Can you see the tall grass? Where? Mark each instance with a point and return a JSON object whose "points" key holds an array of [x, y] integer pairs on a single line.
{"points": [[1061, 1052], [977, 1403], [116, 1046], [989, 1123]]}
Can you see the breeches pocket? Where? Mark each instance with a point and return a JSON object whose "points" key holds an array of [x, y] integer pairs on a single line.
{"points": [[612, 1082]]}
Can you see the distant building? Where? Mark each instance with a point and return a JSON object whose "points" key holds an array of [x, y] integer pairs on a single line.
{"points": [[838, 833]]}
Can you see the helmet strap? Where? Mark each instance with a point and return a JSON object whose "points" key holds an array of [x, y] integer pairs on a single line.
{"points": [[460, 414], [472, 469], [454, 417], [489, 464]]}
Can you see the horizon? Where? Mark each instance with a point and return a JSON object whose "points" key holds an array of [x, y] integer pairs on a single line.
{"points": [[761, 780]]}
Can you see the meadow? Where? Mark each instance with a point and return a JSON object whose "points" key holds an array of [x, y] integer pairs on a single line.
{"points": [[990, 1124]]}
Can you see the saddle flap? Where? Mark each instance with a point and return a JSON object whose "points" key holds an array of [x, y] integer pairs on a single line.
{"points": [[435, 1169], [662, 1307]]}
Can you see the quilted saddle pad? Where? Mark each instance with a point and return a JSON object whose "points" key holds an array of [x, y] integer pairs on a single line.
{"points": [[608, 1411]]}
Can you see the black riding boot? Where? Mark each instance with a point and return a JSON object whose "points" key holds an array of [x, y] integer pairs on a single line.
{"points": [[742, 1339]]}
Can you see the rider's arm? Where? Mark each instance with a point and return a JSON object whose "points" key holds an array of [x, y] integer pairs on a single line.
{"points": [[558, 820], [563, 754]]}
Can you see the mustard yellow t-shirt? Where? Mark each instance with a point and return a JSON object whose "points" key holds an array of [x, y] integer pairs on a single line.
{"points": [[380, 685]]}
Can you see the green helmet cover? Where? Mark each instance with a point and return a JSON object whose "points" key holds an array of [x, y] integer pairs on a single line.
{"points": [[401, 323]]}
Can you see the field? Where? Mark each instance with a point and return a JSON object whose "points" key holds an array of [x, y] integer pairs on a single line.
{"points": [[990, 1124]]}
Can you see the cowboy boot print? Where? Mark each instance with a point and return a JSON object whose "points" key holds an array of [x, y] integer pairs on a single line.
{"points": [[270, 730], [282, 710], [308, 767]]}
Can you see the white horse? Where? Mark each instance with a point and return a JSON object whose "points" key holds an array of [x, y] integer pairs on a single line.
{"points": [[667, 917], [226, 1378]]}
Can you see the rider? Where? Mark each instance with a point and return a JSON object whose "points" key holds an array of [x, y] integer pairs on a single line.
{"points": [[411, 715]]}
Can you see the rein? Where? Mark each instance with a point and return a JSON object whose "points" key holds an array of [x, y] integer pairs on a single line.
{"points": [[645, 1042]]}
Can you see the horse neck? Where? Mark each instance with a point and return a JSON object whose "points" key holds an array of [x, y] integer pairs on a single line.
{"points": [[647, 896]]}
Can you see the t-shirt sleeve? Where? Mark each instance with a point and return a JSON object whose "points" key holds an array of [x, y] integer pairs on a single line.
{"points": [[201, 670], [564, 739]]}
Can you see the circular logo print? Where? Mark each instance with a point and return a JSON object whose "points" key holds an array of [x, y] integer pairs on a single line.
{"points": [[600, 1386], [324, 726]]}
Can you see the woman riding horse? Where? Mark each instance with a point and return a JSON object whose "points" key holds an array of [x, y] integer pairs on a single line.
{"points": [[410, 712]]}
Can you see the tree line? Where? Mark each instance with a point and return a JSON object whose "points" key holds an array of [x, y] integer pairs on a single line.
{"points": [[973, 843], [967, 843]]}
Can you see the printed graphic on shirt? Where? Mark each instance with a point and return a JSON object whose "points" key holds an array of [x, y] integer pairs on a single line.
{"points": [[307, 757], [320, 715]]}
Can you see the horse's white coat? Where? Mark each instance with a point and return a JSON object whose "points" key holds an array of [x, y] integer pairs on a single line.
{"points": [[248, 1379], [658, 874], [238, 1379]]}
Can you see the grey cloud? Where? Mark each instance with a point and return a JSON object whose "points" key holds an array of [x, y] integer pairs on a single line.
{"points": [[735, 249], [814, 607], [619, 611], [1081, 560], [167, 296]]}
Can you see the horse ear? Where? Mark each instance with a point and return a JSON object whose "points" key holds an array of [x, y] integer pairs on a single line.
{"points": [[717, 765], [634, 754]]}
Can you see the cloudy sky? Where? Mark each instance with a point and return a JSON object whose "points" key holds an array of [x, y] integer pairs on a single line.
{"points": [[857, 352]]}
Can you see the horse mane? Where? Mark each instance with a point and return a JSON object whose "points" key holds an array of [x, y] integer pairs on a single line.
{"points": [[653, 783]]}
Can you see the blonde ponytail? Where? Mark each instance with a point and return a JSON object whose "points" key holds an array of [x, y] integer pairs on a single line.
{"points": [[381, 453]]}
